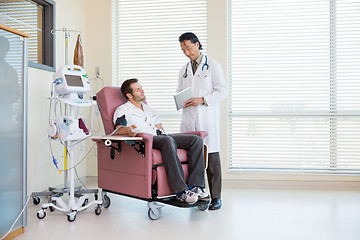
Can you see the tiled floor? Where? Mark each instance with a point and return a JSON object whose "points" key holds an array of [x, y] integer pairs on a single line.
{"points": [[246, 214]]}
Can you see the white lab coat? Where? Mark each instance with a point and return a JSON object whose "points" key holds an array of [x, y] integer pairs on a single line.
{"points": [[210, 84]]}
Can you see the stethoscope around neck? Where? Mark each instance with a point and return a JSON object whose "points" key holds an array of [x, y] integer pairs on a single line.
{"points": [[202, 68]]}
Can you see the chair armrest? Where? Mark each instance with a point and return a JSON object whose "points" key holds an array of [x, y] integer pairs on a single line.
{"points": [[146, 137], [148, 141]]}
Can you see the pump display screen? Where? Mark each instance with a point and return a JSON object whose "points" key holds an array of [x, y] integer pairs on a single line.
{"points": [[74, 81]]}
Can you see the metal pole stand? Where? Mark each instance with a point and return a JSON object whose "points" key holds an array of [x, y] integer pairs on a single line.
{"points": [[57, 203]]}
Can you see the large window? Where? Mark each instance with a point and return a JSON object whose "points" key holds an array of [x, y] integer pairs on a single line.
{"points": [[295, 86], [146, 47], [34, 17]]}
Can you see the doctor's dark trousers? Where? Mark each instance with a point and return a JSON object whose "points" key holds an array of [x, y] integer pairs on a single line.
{"points": [[213, 173], [168, 145]]}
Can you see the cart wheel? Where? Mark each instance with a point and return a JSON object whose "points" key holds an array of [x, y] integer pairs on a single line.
{"points": [[71, 217], [51, 207], [41, 214], [85, 202], [98, 209], [106, 201], [203, 207], [154, 213], [36, 200]]}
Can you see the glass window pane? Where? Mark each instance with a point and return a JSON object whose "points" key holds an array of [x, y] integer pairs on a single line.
{"points": [[294, 86], [27, 17], [11, 129]]}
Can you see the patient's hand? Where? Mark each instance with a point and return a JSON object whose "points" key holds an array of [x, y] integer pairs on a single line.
{"points": [[121, 130]]}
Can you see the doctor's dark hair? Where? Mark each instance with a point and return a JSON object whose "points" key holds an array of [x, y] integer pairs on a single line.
{"points": [[126, 86], [190, 36]]}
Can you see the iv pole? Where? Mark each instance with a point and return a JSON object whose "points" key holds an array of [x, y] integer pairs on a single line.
{"points": [[53, 192], [67, 35], [82, 203]]}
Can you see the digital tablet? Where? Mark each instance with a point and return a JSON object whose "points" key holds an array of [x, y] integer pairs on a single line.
{"points": [[181, 97]]}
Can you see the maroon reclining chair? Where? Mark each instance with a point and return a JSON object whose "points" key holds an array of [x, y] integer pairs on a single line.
{"points": [[134, 168]]}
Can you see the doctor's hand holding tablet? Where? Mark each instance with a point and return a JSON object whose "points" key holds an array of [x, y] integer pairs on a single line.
{"points": [[194, 102], [185, 99]]}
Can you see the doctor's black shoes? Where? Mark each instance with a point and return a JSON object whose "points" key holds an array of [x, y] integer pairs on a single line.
{"points": [[215, 204]]}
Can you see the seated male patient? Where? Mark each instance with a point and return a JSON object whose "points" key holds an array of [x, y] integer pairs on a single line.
{"points": [[136, 116]]}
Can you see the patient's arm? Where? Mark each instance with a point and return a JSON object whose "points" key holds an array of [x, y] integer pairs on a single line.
{"points": [[159, 126], [126, 130]]}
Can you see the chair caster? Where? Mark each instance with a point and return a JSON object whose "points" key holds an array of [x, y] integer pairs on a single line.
{"points": [[106, 201], [154, 211], [154, 214], [203, 207]]}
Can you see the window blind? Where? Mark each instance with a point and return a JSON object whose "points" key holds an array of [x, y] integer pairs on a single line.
{"points": [[26, 16], [294, 103], [147, 48]]}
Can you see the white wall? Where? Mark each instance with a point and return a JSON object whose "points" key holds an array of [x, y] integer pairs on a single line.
{"points": [[99, 53]]}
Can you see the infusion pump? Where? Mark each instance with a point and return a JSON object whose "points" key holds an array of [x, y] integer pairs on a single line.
{"points": [[71, 82]]}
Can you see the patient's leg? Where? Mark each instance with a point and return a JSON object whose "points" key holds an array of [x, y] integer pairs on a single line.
{"points": [[195, 156], [168, 148]]}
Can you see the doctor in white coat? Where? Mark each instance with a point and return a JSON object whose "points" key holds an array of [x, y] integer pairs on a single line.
{"points": [[202, 112]]}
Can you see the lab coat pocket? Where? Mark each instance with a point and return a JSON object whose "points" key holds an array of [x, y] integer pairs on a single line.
{"points": [[206, 85]]}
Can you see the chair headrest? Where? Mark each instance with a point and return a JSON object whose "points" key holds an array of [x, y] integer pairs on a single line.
{"points": [[108, 99]]}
